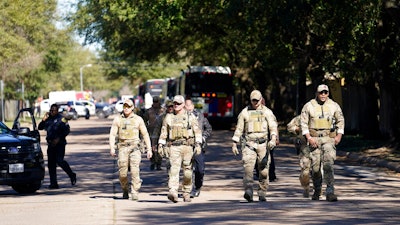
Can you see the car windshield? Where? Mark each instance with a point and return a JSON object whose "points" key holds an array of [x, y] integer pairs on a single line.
{"points": [[4, 129]]}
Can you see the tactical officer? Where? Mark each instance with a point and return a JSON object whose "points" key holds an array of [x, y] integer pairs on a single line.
{"points": [[304, 155], [57, 128], [181, 134], [169, 108], [322, 124], [150, 117], [124, 133], [199, 163], [258, 125]]}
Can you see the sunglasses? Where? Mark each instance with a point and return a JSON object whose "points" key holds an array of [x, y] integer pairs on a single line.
{"points": [[323, 92], [127, 107], [255, 100], [176, 103]]}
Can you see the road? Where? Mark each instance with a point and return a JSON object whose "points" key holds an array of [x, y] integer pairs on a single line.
{"points": [[367, 195]]}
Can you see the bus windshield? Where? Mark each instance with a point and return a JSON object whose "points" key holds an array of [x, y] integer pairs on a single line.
{"points": [[208, 82]]}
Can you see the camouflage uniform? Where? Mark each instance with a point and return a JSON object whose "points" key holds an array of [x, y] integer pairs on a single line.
{"points": [[322, 122], [179, 133], [150, 119], [304, 153], [126, 130], [257, 126]]}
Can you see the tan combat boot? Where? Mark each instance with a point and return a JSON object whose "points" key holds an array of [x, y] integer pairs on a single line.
{"points": [[135, 197], [173, 197], [186, 197]]}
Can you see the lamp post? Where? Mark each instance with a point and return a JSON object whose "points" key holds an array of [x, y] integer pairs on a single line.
{"points": [[81, 72]]}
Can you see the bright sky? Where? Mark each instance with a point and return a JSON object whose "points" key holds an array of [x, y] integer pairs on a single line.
{"points": [[64, 7]]}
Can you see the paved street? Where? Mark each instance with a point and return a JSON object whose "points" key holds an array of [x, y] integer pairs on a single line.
{"points": [[367, 195]]}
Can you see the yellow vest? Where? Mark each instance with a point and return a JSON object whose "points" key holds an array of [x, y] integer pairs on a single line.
{"points": [[323, 117]]}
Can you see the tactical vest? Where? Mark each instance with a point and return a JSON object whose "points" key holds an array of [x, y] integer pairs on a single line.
{"points": [[128, 128], [257, 122], [322, 119], [180, 127]]}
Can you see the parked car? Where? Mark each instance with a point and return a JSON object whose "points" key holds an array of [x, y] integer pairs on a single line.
{"points": [[44, 106], [119, 106], [89, 105], [104, 110], [21, 157], [74, 109]]}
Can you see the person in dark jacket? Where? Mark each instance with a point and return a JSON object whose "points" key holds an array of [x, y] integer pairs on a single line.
{"points": [[199, 162], [57, 128]]}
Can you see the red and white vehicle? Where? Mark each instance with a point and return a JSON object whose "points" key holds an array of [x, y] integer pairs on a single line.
{"points": [[211, 90]]}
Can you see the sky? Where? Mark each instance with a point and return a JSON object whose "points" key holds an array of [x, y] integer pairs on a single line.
{"points": [[63, 8]]}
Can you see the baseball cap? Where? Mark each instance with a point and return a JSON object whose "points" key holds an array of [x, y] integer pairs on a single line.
{"points": [[322, 87], [128, 102], [169, 103], [179, 99], [256, 94]]}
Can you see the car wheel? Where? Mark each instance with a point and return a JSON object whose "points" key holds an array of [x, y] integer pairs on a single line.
{"points": [[101, 115], [27, 188]]}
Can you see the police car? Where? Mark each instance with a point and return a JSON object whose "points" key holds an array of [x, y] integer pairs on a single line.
{"points": [[21, 157]]}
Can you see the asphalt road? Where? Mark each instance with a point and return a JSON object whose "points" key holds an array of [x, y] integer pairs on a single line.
{"points": [[367, 195]]}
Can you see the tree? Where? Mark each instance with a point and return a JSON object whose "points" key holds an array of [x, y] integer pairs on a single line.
{"points": [[275, 46]]}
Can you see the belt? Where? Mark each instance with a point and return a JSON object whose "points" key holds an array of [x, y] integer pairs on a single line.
{"points": [[319, 133], [176, 143], [127, 144], [189, 141]]}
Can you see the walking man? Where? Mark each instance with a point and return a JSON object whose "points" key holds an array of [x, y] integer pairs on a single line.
{"points": [[258, 125], [150, 119], [199, 160], [181, 134], [322, 124], [124, 135]]}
